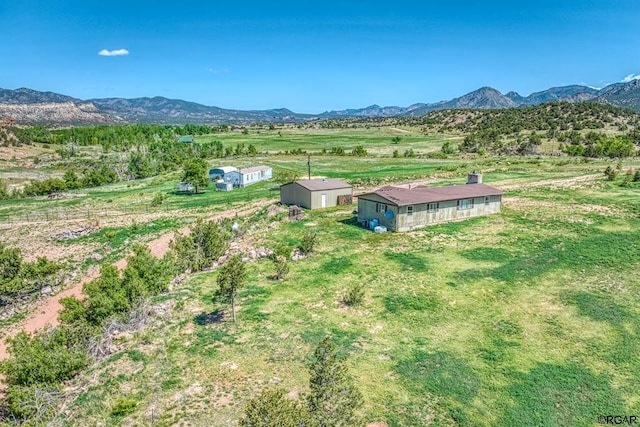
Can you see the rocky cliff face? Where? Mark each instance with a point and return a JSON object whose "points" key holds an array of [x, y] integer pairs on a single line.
{"points": [[56, 113], [622, 95]]}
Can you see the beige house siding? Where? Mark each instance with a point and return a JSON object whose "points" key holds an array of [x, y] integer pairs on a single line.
{"points": [[444, 211], [294, 194], [368, 210], [331, 197]]}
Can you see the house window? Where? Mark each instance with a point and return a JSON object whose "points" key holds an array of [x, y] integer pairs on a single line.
{"points": [[464, 204], [381, 207], [409, 210], [432, 207], [486, 200]]}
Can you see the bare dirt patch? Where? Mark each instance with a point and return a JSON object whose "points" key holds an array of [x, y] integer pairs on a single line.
{"points": [[540, 206], [47, 312], [400, 130], [566, 183], [22, 152]]}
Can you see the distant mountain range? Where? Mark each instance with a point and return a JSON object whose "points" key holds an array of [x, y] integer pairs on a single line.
{"points": [[27, 106]]}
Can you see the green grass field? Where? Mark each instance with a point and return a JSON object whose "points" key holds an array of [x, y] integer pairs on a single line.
{"points": [[529, 317], [525, 318]]}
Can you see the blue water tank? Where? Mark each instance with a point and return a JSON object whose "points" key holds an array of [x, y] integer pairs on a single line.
{"points": [[373, 223]]}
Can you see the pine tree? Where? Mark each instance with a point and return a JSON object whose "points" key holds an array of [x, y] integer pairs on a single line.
{"points": [[230, 281], [334, 399]]}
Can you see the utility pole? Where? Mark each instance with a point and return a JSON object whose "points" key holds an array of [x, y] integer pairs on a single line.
{"points": [[309, 165]]}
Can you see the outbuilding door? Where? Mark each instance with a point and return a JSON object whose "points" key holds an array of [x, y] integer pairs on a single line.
{"points": [[323, 200]]}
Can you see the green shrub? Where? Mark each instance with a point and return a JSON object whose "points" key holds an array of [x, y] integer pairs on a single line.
{"points": [[281, 266], [437, 155], [272, 408], [47, 357], [354, 296], [207, 241], [628, 179], [18, 278], [35, 403], [448, 148], [124, 406], [610, 173], [308, 242], [359, 151], [158, 199], [409, 153]]}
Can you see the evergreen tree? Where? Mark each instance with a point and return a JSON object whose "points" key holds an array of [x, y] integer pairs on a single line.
{"points": [[230, 281], [71, 179], [334, 399], [206, 242], [273, 409]]}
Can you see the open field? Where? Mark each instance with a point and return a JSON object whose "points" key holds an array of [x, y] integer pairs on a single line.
{"points": [[526, 318], [529, 317]]}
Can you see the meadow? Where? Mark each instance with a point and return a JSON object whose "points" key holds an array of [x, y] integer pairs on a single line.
{"points": [[529, 317]]}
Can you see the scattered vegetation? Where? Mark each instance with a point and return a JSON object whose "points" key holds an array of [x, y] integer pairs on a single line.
{"points": [[308, 242], [515, 319], [333, 399], [19, 279], [354, 295], [230, 280], [206, 242]]}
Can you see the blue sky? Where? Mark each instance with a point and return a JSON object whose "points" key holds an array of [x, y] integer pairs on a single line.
{"points": [[311, 57]]}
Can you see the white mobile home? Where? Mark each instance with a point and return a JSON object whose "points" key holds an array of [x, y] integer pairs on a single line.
{"points": [[248, 176], [223, 173]]}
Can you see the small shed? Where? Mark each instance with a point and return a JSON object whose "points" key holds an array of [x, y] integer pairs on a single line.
{"points": [[222, 172], [224, 186], [248, 176], [185, 186], [316, 193]]}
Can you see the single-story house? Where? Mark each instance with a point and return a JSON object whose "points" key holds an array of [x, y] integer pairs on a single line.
{"points": [[248, 176], [187, 138], [316, 193], [403, 209], [223, 173]]}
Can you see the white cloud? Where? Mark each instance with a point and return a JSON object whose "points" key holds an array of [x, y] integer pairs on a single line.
{"points": [[631, 77], [117, 52], [214, 70]]}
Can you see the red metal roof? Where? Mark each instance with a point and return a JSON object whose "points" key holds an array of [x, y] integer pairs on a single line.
{"points": [[423, 194]]}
